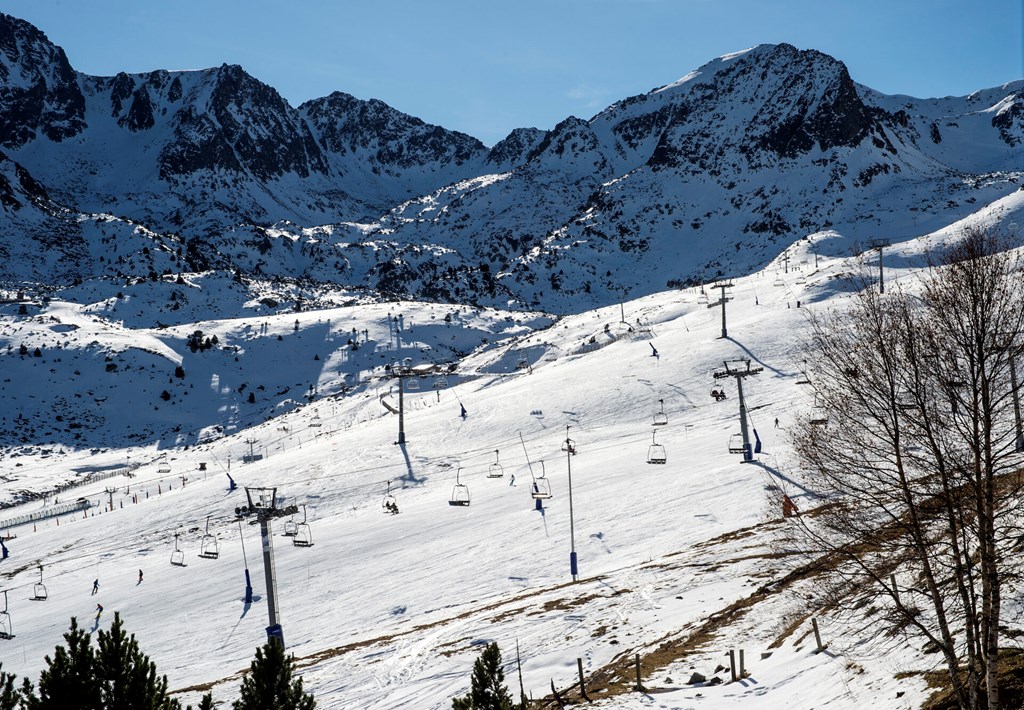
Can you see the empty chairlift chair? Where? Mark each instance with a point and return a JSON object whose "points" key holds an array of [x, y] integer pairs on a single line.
{"points": [[460, 493], [164, 466], [303, 533], [39, 593], [655, 452], [178, 556], [819, 415], [440, 382], [736, 444], [290, 527], [660, 418], [315, 422], [495, 470], [413, 384], [6, 629], [209, 546]]}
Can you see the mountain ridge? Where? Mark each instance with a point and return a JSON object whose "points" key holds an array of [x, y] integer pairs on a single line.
{"points": [[707, 176]]}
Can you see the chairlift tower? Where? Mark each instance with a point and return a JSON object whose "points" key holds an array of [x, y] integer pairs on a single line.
{"points": [[569, 450], [740, 368], [785, 263], [401, 371], [264, 502], [722, 301], [878, 245]]}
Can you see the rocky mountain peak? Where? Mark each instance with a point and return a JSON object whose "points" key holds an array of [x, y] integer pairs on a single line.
{"points": [[40, 89]]}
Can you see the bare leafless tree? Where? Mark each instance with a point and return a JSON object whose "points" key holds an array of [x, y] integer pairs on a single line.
{"points": [[920, 458]]}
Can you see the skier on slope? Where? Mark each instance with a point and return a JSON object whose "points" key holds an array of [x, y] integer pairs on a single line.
{"points": [[95, 586], [99, 611]]}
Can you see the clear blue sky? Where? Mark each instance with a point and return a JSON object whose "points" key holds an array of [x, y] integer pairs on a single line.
{"points": [[486, 66]]}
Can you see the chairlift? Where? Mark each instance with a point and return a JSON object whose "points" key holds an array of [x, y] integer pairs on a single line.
{"points": [[39, 590], [165, 465], [660, 418], [569, 445], [541, 489], [315, 421], [389, 504], [440, 382], [819, 415], [209, 546], [303, 534], [905, 402], [460, 493], [290, 527], [495, 470], [779, 282], [6, 629], [178, 556], [413, 384], [703, 297], [655, 452], [736, 444]]}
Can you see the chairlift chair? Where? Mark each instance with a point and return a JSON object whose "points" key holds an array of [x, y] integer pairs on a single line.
{"points": [[164, 466], [413, 384], [460, 493], [440, 382], [779, 282], [655, 452], [495, 470], [209, 546], [660, 418], [178, 556], [736, 444], [290, 527], [819, 415], [303, 534], [569, 445], [39, 590], [6, 629], [522, 362], [389, 505], [541, 489], [315, 421]]}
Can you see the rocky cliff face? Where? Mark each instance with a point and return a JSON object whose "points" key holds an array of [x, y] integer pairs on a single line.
{"points": [[711, 175]]}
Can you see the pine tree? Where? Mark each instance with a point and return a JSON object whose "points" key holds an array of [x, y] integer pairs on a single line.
{"points": [[487, 689], [69, 679], [10, 696], [128, 677], [269, 685], [206, 703]]}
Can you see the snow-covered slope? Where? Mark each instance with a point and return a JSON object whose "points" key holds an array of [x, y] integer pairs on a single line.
{"points": [[678, 562]]}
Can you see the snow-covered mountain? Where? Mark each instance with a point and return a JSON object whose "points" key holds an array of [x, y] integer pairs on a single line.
{"points": [[711, 175], [678, 562]]}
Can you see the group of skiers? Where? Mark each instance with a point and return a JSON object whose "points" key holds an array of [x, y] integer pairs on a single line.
{"points": [[96, 588]]}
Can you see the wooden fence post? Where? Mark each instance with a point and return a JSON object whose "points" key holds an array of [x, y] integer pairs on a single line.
{"points": [[743, 670], [817, 635], [732, 665], [639, 686], [558, 698], [583, 690]]}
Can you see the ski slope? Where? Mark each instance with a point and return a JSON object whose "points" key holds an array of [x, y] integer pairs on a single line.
{"points": [[390, 611]]}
